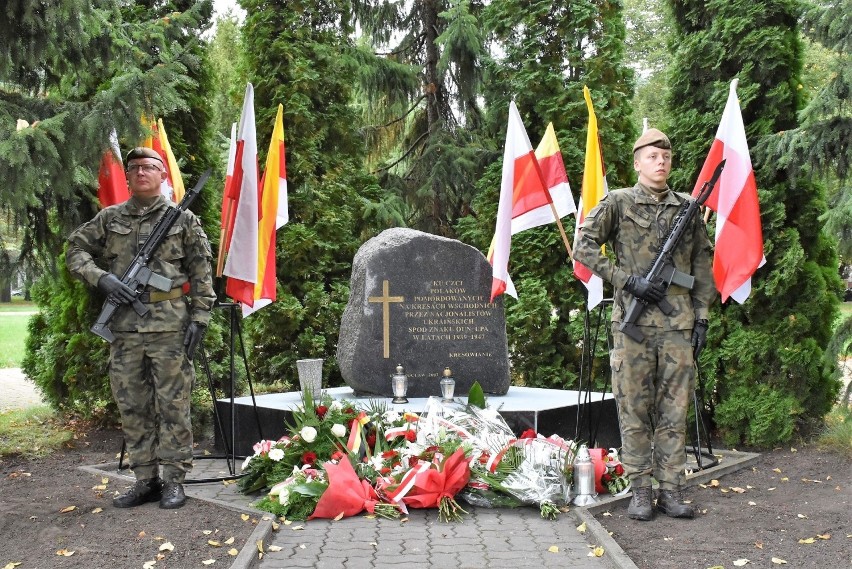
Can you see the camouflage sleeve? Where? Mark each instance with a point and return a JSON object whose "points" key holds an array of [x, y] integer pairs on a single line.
{"points": [[597, 229], [704, 292], [198, 268], [85, 245]]}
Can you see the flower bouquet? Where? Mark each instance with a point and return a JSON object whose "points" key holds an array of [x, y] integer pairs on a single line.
{"points": [[297, 496], [614, 479]]}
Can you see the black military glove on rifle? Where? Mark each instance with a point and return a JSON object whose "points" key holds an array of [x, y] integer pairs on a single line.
{"points": [[194, 335], [643, 289], [111, 285], [699, 337]]}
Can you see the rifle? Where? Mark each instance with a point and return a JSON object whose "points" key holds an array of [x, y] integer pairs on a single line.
{"points": [[663, 269], [137, 275]]}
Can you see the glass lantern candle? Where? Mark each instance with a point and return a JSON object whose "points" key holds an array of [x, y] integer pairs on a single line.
{"points": [[448, 386], [399, 384]]}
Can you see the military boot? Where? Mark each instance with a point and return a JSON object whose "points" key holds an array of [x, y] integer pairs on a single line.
{"points": [[670, 502], [640, 506], [149, 490], [173, 496]]}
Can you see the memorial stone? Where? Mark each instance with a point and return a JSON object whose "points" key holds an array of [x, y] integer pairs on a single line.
{"points": [[422, 301]]}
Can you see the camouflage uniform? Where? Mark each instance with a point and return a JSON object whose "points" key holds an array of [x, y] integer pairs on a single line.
{"points": [[150, 376], [653, 380]]}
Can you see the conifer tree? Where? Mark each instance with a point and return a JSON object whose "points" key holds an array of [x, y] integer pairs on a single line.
{"points": [[72, 72], [548, 52], [419, 82], [303, 58], [765, 363]]}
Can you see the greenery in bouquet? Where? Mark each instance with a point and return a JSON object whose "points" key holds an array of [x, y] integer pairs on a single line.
{"points": [[317, 433], [614, 479], [296, 497]]}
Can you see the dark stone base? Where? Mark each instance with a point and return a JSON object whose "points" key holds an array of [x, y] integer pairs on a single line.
{"points": [[547, 411]]}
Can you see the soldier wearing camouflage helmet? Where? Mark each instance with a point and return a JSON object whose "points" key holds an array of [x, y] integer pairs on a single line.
{"points": [[652, 380], [150, 365]]}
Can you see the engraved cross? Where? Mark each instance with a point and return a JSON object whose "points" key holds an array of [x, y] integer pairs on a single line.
{"points": [[386, 299]]}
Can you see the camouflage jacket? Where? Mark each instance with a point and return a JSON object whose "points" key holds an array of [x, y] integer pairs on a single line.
{"points": [[635, 224], [109, 242]]}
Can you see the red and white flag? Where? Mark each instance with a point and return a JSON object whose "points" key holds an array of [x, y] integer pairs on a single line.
{"points": [[112, 182], [242, 210], [739, 237], [273, 215], [594, 189], [522, 190]]}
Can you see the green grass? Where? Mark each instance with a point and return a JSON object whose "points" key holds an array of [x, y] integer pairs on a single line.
{"points": [[32, 432], [838, 430], [846, 309], [13, 335]]}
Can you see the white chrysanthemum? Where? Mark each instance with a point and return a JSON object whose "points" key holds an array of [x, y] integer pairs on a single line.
{"points": [[391, 416], [276, 454], [376, 461], [247, 461], [338, 430], [308, 434], [336, 405]]}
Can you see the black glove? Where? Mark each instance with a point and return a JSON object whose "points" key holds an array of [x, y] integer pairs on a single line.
{"points": [[699, 337], [194, 335], [643, 289], [112, 286]]}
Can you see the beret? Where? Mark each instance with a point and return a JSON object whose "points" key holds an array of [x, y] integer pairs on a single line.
{"points": [[143, 152], [652, 137]]}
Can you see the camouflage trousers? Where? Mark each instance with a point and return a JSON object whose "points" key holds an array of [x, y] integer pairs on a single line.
{"points": [[152, 381], [653, 383]]}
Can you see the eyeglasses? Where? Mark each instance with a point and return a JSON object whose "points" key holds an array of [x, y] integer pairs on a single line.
{"points": [[147, 168]]}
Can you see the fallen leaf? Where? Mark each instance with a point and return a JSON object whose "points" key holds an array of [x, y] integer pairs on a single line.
{"points": [[287, 522], [793, 449], [214, 543], [802, 516], [606, 514], [229, 541], [553, 549], [339, 516], [758, 544], [824, 536], [582, 527], [167, 546], [207, 531], [104, 480], [716, 567], [778, 470], [149, 565], [702, 485], [828, 477], [233, 552], [752, 503], [275, 526], [97, 510], [367, 516], [807, 540], [738, 490], [99, 487], [67, 509], [750, 487], [598, 551], [714, 483], [297, 528], [64, 553], [403, 520], [771, 489], [741, 562], [778, 561], [724, 490], [785, 479], [244, 517], [12, 564], [301, 546], [141, 534], [208, 562], [274, 548], [259, 544], [374, 544]]}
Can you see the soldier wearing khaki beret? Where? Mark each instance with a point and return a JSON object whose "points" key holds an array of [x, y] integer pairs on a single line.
{"points": [[652, 381], [150, 365]]}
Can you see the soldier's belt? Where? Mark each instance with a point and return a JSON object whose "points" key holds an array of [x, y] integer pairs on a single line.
{"points": [[159, 296]]}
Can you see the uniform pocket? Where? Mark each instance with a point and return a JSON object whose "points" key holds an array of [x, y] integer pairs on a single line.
{"points": [[172, 247], [615, 361], [116, 238]]}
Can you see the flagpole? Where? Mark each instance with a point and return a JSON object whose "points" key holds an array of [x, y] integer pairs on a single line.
{"points": [[225, 229]]}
